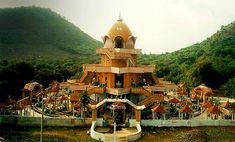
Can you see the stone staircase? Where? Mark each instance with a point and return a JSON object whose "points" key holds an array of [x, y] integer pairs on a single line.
{"points": [[83, 76], [151, 99], [87, 77], [141, 91], [93, 102]]}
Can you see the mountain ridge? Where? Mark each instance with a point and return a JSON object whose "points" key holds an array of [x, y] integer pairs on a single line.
{"points": [[216, 54], [39, 31]]}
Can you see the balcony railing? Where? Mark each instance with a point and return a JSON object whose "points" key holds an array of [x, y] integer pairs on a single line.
{"points": [[119, 50], [137, 69], [118, 91], [140, 91], [96, 90], [116, 53]]}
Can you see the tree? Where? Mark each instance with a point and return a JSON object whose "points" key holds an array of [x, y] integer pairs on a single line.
{"points": [[84, 101], [204, 72], [230, 87], [13, 78]]}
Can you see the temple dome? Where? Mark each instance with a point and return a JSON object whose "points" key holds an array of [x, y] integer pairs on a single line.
{"points": [[119, 29]]}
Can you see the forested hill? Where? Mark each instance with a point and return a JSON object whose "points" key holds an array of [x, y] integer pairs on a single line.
{"points": [[36, 44], [39, 33], [211, 62]]}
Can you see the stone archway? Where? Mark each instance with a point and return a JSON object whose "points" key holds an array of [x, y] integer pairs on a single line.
{"points": [[119, 42], [137, 108]]}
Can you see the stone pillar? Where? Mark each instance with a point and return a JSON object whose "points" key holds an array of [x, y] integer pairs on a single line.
{"points": [[203, 97], [153, 115], [67, 103], [94, 114], [138, 115], [73, 111], [179, 115], [31, 97]]}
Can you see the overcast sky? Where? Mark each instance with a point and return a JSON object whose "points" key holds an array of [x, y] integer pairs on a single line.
{"points": [[160, 25]]}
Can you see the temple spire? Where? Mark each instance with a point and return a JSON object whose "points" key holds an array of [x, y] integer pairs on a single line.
{"points": [[120, 18]]}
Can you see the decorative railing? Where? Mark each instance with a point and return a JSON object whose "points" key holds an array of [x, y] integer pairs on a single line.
{"points": [[114, 53], [96, 90], [151, 99], [118, 91], [83, 76], [137, 69], [118, 50], [141, 91]]}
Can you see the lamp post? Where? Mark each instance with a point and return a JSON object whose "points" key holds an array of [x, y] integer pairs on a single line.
{"points": [[115, 126], [41, 136]]}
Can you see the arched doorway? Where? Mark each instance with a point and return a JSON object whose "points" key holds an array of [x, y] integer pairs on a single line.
{"points": [[119, 42]]}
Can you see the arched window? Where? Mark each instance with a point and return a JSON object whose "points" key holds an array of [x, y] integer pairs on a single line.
{"points": [[118, 42]]}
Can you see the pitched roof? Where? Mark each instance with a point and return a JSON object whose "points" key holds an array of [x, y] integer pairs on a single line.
{"points": [[22, 104], [207, 105], [74, 97], [203, 89], [9, 102], [214, 110], [63, 98], [31, 86], [186, 108], [226, 111], [159, 108], [225, 104], [194, 95], [158, 97], [50, 100], [174, 100]]}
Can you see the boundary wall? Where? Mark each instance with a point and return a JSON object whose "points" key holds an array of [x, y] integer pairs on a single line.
{"points": [[187, 123], [36, 121]]}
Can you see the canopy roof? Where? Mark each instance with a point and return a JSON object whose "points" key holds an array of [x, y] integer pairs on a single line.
{"points": [[186, 108], [203, 89], [50, 100], [195, 97], [159, 108], [174, 100], [214, 110], [74, 97], [225, 104], [207, 105], [31, 86], [63, 98]]}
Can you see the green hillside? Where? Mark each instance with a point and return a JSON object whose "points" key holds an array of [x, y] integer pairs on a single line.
{"points": [[211, 62], [39, 33], [36, 44]]}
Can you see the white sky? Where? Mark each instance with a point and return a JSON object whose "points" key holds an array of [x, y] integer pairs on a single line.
{"points": [[160, 25]]}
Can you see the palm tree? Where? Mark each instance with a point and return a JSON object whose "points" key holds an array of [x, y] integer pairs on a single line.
{"points": [[84, 101]]}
